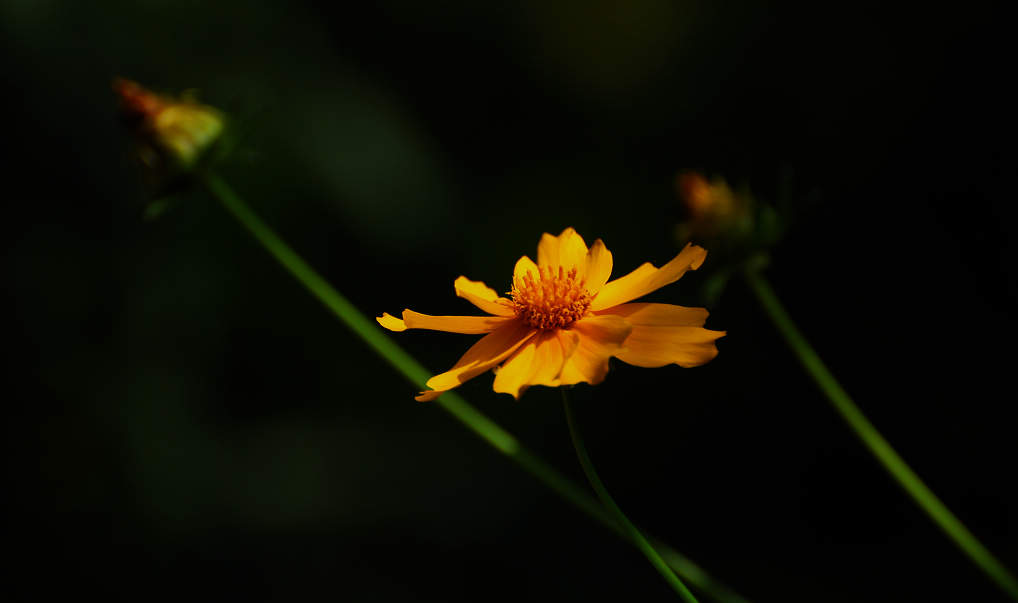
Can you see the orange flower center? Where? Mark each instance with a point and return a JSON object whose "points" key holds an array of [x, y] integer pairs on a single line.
{"points": [[552, 299]]}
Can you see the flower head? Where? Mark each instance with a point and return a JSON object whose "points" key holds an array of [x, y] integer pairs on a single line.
{"points": [[564, 320], [714, 209], [181, 130]]}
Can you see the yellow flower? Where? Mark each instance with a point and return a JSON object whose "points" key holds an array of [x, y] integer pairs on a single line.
{"points": [[565, 320]]}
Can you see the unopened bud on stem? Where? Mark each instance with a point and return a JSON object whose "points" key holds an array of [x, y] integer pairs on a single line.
{"points": [[180, 130]]}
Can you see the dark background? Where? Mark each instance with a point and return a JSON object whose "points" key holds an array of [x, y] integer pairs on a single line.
{"points": [[184, 420]]}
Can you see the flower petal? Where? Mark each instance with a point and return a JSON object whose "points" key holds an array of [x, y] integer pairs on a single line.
{"points": [[659, 315], [488, 352], [512, 377], [600, 338], [665, 334], [483, 296], [599, 266], [539, 362], [648, 278], [525, 266], [452, 324], [552, 357], [547, 250], [567, 250], [652, 346], [391, 322]]}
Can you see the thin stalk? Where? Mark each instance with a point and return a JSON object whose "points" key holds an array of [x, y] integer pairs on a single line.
{"points": [[451, 402], [609, 503], [876, 443]]}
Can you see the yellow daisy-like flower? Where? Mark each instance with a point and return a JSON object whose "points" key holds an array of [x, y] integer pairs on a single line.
{"points": [[565, 320]]}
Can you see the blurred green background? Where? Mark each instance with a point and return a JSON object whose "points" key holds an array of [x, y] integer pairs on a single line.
{"points": [[186, 421]]}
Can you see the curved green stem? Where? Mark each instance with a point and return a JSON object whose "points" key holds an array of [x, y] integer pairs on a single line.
{"points": [[876, 443], [459, 408], [634, 534]]}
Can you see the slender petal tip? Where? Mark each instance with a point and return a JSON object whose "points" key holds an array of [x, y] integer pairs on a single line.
{"points": [[391, 322]]}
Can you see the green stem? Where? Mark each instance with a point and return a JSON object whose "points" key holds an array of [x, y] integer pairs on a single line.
{"points": [[879, 446], [459, 408], [609, 503]]}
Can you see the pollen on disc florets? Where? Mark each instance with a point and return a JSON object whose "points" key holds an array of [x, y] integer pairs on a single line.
{"points": [[552, 299]]}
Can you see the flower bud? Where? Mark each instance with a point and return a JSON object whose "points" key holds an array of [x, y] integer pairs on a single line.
{"points": [[714, 210], [178, 130], [712, 207]]}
